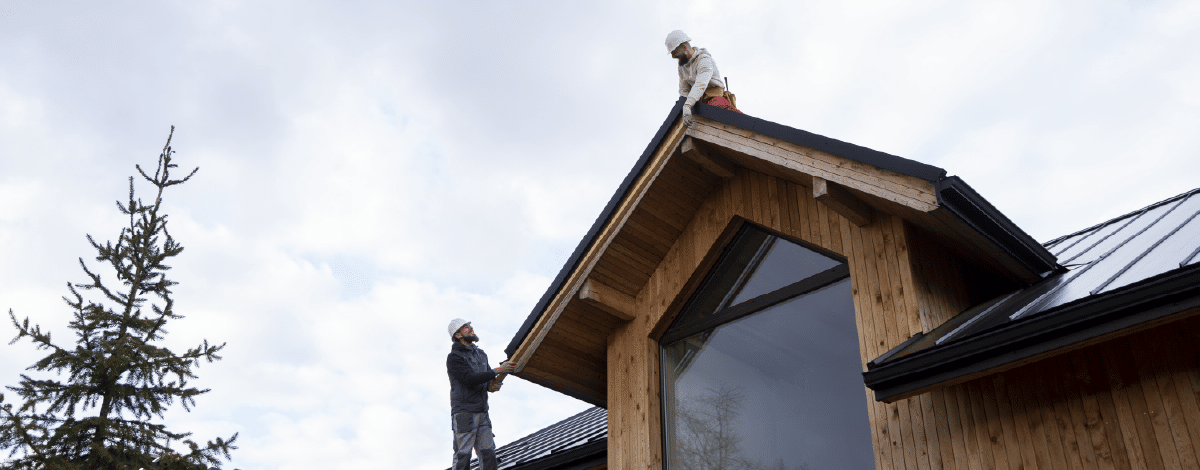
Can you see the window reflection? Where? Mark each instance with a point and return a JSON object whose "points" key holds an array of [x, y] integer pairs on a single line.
{"points": [[778, 389]]}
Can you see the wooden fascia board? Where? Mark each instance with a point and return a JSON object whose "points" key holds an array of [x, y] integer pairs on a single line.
{"points": [[906, 190], [576, 279]]}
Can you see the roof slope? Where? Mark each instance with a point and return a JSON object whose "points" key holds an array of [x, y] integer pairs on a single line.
{"points": [[575, 443], [1133, 269]]}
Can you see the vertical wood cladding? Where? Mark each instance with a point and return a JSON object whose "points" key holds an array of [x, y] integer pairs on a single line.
{"points": [[1132, 402]]}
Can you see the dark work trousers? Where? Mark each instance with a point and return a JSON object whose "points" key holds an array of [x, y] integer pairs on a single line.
{"points": [[473, 430]]}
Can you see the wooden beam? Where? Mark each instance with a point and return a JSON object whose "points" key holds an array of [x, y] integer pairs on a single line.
{"points": [[611, 301], [713, 165], [902, 189], [840, 200]]}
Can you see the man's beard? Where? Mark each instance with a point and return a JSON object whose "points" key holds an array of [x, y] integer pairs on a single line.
{"points": [[471, 339], [683, 60]]}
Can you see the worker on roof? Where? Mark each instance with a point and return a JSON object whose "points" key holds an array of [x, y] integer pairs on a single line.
{"points": [[699, 79], [470, 378]]}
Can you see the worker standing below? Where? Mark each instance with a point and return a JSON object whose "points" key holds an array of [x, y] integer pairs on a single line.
{"points": [[470, 380], [699, 79]]}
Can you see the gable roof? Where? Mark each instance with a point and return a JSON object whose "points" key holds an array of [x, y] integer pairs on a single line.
{"points": [[575, 443], [1135, 269], [920, 193]]}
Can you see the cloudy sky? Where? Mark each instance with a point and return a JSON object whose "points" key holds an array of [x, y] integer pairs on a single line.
{"points": [[370, 170]]}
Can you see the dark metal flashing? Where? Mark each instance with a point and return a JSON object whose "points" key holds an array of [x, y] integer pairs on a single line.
{"points": [[1091, 317], [960, 199]]}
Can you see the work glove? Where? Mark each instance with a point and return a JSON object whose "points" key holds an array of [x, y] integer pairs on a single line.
{"points": [[687, 116]]}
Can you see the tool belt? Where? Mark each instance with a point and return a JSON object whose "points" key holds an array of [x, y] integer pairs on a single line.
{"points": [[713, 92]]}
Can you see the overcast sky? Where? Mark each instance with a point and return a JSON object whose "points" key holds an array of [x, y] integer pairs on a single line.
{"points": [[371, 170]]}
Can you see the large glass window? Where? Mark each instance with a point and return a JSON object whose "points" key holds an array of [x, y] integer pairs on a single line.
{"points": [[761, 369]]}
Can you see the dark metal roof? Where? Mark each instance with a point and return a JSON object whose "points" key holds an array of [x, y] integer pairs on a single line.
{"points": [[955, 194], [575, 443], [1139, 267]]}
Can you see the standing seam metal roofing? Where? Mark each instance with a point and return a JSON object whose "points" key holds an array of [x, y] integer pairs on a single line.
{"points": [[1134, 268], [952, 193]]}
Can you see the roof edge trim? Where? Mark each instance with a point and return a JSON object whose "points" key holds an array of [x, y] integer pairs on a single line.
{"points": [[1154, 299], [961, 200]]}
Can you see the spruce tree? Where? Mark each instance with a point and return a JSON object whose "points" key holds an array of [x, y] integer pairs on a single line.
{"points": [[116, 381]]}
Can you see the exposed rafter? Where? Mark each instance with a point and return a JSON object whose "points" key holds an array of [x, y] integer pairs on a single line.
{"points": [[608, 299], [842, 201]]}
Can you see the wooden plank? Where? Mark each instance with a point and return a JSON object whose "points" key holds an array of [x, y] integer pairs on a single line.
{"points": [[614, 277], [1050, 425], [1028, 421], [757, 196], [880, 436], [1160, 349], [1097, 386], [995, 426], [908, 191], [1079, 419], [841, 201], [957, 400], [771, 201], [1163, 435], [647, 237], [949, 428], [1064, 421], [1094, 417], [804, 208], [939, 457], [979, 421], [888, 453], [1121, 386], [1008, 422], [787, 203], [835, 232], [633, 441], [627, 268], [827, 218], [1184, 364]]}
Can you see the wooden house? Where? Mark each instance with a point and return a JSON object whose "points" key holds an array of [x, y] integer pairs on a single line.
{"points": [[757, 296]]}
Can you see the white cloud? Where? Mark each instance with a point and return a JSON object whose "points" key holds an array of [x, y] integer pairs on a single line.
{"points": [[370, 170]]}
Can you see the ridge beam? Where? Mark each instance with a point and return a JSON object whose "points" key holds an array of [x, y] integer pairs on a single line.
{"points": [[608, 299], [838, 199], [702, 158]]}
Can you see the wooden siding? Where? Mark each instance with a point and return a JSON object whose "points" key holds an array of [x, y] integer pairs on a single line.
{"points": [[1133, 402], [881, 278]]}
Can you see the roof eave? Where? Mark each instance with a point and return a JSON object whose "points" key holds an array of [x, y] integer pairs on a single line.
{"points": [[959, 198], [1095, 318]]}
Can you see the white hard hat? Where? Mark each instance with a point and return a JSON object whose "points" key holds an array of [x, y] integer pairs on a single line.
{"points": [[455, 324], [676, 38]]}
